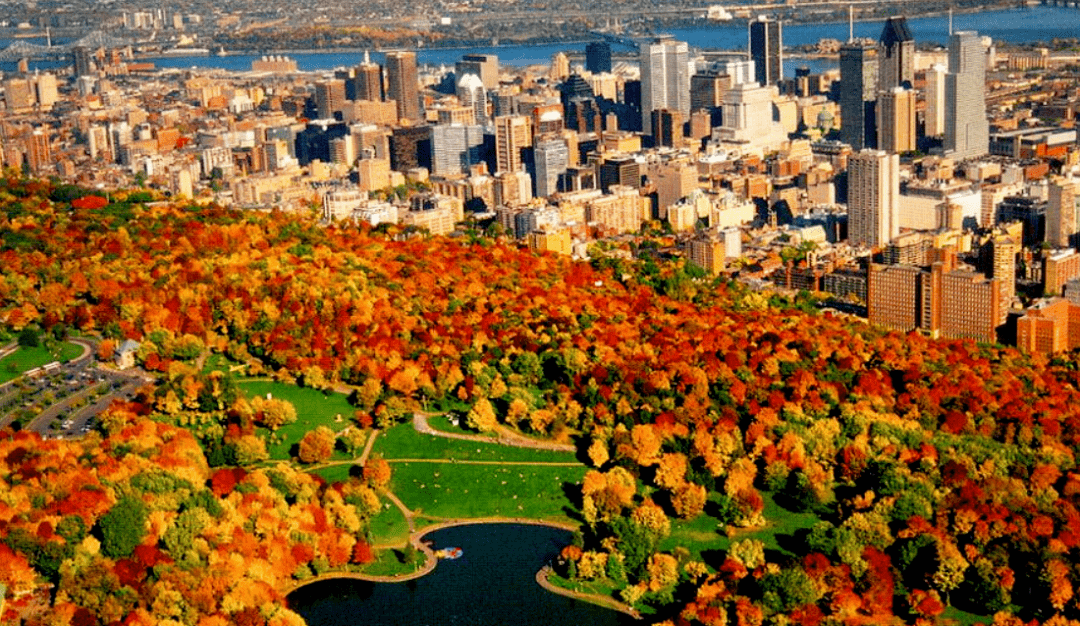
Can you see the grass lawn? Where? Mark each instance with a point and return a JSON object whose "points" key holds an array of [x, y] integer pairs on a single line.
{"points": [[953, 615], [335, 473], [313, 408], [696, 535], [704, 532], [388, 563], [13, 365], [217, 362], [403, 442], [451, 490], [780, 523], [389, 527]]}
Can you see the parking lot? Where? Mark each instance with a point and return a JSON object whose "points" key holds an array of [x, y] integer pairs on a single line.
{"points": [[63, 400]]}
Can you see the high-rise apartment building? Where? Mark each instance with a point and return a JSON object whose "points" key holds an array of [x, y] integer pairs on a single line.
{"points": [[1003, 251], [551, 157], [967, 132], [486, 66], [858, 94], [896, 120], [767, 50], [402, 84], [512, 136], [873, 198], [598, 57], [665, 78], [896, 55], [941, 300]]}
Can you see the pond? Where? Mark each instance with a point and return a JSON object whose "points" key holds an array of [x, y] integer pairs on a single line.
{"points": [[493, 583]]}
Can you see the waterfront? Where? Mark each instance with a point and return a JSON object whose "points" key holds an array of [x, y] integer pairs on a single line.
{"points": [[494, 579], [1012, 26]]}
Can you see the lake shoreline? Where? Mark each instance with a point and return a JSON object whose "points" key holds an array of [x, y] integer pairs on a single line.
{"points": [[431, 560]]}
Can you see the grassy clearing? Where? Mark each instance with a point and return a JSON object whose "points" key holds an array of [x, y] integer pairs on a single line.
{"points": [[448, 490], [781, 525], [313, 409], [696, 535], [334, 473], [15, 364], [704, 533], [953, 615], [403, 442], [389, 527], [388, 563], [217, 362]]}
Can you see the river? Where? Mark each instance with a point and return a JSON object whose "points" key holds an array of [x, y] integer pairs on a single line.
{"points": [[1015, 26], [492, 584]]}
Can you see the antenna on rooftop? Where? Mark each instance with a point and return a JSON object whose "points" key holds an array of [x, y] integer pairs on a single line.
{"points": [[950, 20], [851, 22]]}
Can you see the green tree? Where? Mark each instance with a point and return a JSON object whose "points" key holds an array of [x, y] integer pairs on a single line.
{"points": [[123, 527], [29, 337]]}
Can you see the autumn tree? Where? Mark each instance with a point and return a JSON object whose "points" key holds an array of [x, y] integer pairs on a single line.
{"points": [[481, 416], [317, 445]]}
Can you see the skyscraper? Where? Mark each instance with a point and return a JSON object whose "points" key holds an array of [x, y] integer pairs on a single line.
{"points": [[1062, 214], [598, 57], [873, 198], [667, 128], [511, 137], [665, 78], [767, 50], [402, 87], [707, 90], [455, 148], [329, 98], [858, 94], [896, 54], [967, 132], [552, 157], [471, 93], [935, 101], [896, 120], [367, 81], [486, 66]]}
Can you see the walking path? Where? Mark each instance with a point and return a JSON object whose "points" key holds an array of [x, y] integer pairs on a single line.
{"points": [[592, 598], [504, 436]]}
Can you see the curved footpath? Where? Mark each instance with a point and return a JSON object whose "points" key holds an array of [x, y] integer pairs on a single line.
{"points": [[504, 436]]}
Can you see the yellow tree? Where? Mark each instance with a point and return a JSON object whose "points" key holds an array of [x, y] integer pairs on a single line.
{"points": [[317, 445], [482, 416]]}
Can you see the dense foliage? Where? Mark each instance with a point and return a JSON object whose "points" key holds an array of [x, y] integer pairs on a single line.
{"points": [[942, 473]]}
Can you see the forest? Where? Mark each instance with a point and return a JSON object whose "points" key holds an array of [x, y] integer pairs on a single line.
{"points": [[936, 476]]}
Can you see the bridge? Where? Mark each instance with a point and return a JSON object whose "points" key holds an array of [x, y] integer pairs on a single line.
{"points": [[26, 50]]}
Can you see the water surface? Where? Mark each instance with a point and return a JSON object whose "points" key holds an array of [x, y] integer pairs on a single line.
{"points": [[492, 584]]}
